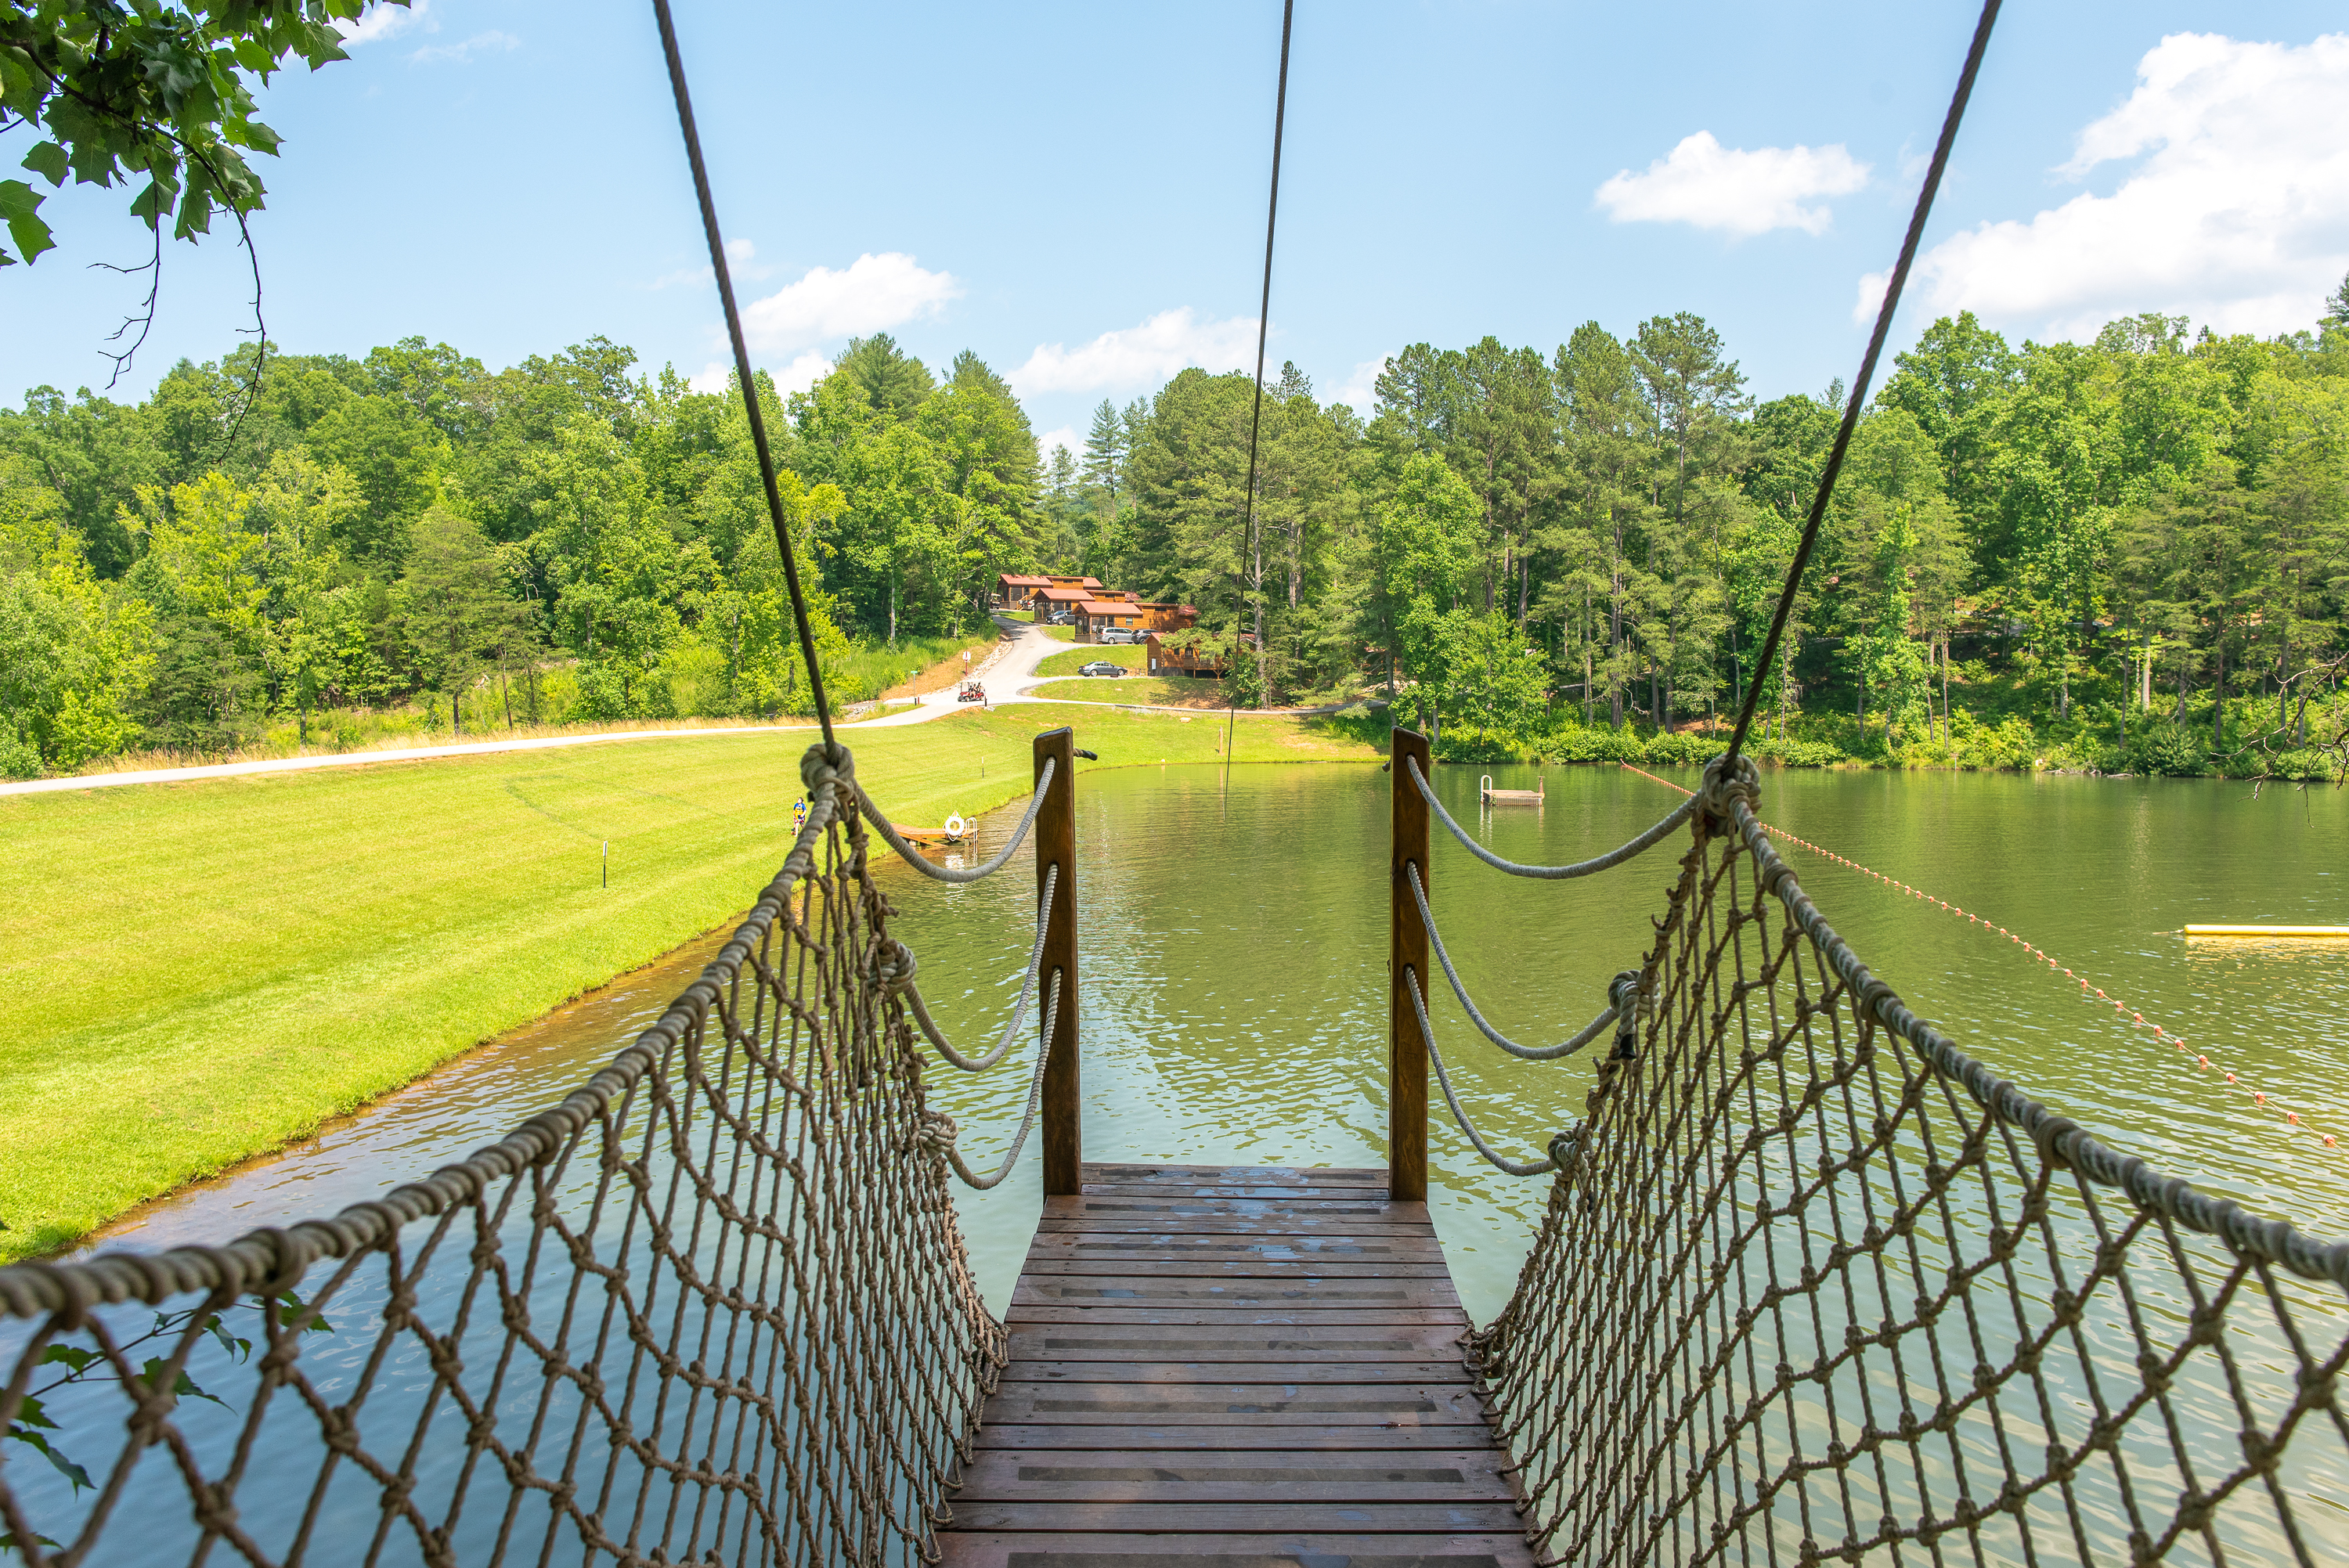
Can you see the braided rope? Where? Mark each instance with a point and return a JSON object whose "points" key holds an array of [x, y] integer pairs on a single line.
{"points": [[943, 1138], [1596, 1027], [1614, 857], [936, 873], [1444, 1080], [901, 977]]}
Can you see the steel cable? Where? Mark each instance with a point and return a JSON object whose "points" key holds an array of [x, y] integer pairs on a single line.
{"points": [[1523, 1052], [1858, 398], [937, 872], [742, 362], [1614, 857]]}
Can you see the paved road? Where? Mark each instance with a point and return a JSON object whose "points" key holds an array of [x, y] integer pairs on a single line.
{"points": [[1008, 673]]}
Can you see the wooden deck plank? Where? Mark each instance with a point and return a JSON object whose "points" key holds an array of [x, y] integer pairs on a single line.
{"points": [[1438, 1475], [1254, 1266], [1132, 1204], [1296, 1549], [1231, 1342], [1183, 1290], [1450, 1318], [1041, 1437], [1222, 1224], [1238, 1175], [1316, 1374], [1234, 1366], [1208, 1518], [1165, 1246], [1227, 1404]]}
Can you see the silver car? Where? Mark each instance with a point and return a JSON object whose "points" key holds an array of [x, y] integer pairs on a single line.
{"points": [[1118, 634]]}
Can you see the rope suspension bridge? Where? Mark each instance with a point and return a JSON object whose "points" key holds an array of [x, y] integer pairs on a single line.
{"points": [[1812, 1284]]}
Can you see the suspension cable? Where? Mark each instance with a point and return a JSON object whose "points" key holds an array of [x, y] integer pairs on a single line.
{"points": [[1852, 405], [1263, 326], [742, 362]]}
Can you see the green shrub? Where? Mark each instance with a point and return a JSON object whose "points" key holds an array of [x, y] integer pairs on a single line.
{"points": [[2169, 750], [1686, 746]]}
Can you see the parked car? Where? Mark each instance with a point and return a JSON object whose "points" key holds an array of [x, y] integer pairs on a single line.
{"points": [[1101, 668], [1120, 634], [1059, 618]]}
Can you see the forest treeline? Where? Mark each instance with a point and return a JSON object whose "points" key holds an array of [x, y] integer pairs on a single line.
{"points": [[2129, 554]]}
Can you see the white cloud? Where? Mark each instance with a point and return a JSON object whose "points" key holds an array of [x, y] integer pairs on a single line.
{"points": [[872, 294], [801, 374], [1066, 436], [1360, 391], [491, 42], [739, 253], [1137, 356], [2238, 215], [380, 22], [1716, 187]]}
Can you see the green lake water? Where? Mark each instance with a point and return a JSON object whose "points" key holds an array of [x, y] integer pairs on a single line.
{"points": [[1232, 932]]}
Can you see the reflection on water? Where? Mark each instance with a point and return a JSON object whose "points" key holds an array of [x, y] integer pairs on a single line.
{"points": [[1233, 957]]}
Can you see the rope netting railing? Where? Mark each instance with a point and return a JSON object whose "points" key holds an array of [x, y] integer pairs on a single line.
{"points": [[1813, 1285], [713, 1307]]}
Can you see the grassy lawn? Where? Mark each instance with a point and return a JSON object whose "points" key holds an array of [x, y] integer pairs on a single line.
{"points": [[1148, 690], [1116, 654], [190, 974]]}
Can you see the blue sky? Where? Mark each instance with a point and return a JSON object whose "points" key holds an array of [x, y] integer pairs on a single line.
{"points": [[1077, 191]]}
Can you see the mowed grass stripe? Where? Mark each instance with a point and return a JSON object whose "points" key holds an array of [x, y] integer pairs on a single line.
{"points": [[192, 973]]}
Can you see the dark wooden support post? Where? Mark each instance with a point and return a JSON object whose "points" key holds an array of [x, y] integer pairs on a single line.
{"points": [[1407, 948], [1056, 845]]}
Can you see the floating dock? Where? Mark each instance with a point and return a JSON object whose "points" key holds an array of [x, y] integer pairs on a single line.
{"points": [[2266, 930], [1245, 1364]]}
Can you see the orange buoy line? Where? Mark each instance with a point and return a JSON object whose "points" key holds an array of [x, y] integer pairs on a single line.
{"points": [[2259, 1098]]}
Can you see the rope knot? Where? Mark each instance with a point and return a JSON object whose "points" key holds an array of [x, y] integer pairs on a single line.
{"points": [[935, 1132], [894, 965], [1624, 994], [1728, 779], [824, 766]]}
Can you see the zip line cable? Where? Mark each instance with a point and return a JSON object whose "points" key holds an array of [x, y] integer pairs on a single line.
{"points": [[742, 362], [1858, 398], [1263, 324]]}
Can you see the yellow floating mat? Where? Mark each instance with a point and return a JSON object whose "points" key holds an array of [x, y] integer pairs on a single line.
{"points": [[2266, 930]]}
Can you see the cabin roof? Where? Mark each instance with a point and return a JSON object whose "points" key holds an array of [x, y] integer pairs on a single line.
{"points": [[1066, 595], [1017, 580]]}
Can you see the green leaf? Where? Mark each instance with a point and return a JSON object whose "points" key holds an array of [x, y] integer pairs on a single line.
{"points": [[317, 1324], [63, 1466], [8, 1542], [68, 1356], [19, 201], [182, 1385], [50, 160]]}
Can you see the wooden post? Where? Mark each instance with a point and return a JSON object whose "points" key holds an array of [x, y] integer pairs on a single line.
{"points": [[1406, 947], [1056, 845]]}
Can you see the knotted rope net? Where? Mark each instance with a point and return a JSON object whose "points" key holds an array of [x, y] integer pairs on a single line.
{"points": [[1814, 1285], [712, 1307]]}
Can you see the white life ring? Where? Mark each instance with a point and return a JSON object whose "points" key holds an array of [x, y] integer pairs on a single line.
{"points": [[954, 825]]}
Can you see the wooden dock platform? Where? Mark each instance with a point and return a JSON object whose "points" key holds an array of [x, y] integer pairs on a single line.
{"points": [[1235, 1368]]}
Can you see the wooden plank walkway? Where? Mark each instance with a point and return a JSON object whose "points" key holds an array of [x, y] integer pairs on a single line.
{"points": [[1235, 1368]]}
